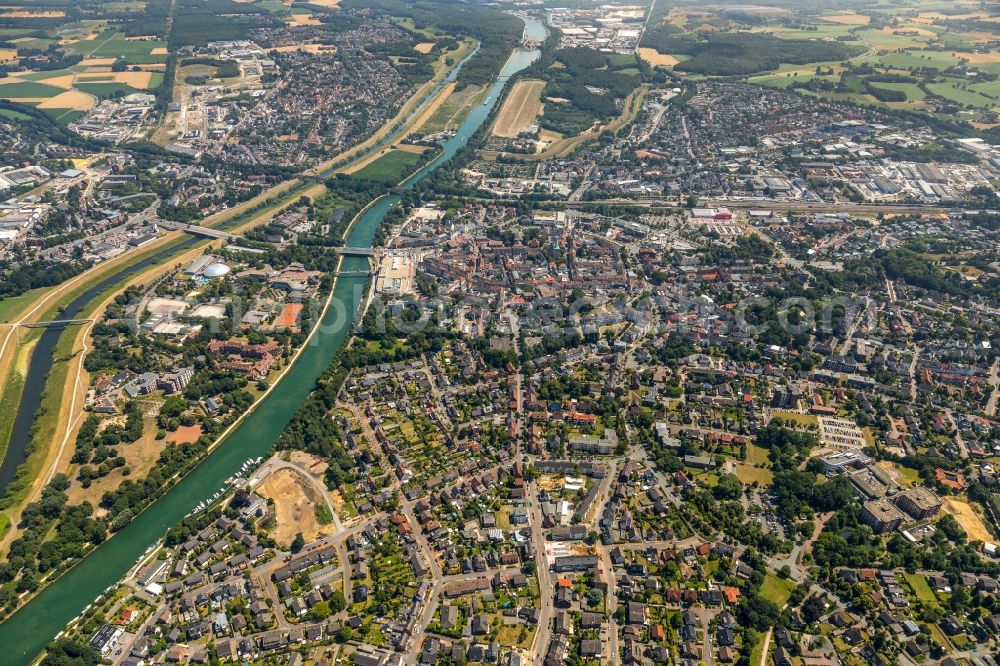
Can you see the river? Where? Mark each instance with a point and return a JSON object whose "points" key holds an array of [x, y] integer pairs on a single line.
{"points": [[30, 629]]}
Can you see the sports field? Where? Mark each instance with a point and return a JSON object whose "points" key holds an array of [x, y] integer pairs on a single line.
{"points": [[522, 105]]}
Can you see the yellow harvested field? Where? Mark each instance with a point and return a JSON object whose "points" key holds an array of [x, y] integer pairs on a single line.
{"points": [[65, 82], [329, 4], [907, 29], [976, 58], [159, 50], [520, 108], [424, 47], [967, 517], [26, 100], [97, 62], [71, 99], [33, 14], [8, 54], [295, 501], [307, 48], [138, 80], [847, 18], [135, 79], [657, 59], [303, 19]]}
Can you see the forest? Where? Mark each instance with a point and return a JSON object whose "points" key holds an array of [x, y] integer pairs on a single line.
{"points": [[589, 83], [743, 53], [497, 32]]}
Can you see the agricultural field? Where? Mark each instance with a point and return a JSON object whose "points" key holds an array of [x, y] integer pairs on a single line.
{"points": [[522, 105], [99, 63], [918, 55]]}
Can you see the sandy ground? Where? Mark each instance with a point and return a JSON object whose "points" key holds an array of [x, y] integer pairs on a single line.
{"points": [[307, 461], [294, 506], [847, 18], [185, 434], [655, 58], [550, 482], [71, 99], [967, 517], [519, 109], [424, 47]]}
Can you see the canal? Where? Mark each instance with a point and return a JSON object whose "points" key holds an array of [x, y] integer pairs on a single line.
{"points": [[41, 359], [41, 362], [29, 630]]}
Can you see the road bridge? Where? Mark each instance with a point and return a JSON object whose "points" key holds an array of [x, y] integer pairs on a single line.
{"points": [[196, 230], [349, 251], [53, 322]]}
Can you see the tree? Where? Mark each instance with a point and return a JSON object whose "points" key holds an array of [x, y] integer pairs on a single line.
{"points": [[66, 652], [728, 488], [297, 543], [337, 602]]}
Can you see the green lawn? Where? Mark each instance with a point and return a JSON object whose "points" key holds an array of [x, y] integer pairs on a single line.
{"points": [[13, 305], [776, 590], [922, 589], [392, 167]]}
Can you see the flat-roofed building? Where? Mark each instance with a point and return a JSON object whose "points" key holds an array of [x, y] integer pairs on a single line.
{"points": [[881, 515], [919, 502]]}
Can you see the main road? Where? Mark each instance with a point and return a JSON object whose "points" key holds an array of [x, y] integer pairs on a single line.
{"points": [[26, 633]]}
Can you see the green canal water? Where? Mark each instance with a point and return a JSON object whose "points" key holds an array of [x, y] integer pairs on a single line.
{"points": [[25, 634]]}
